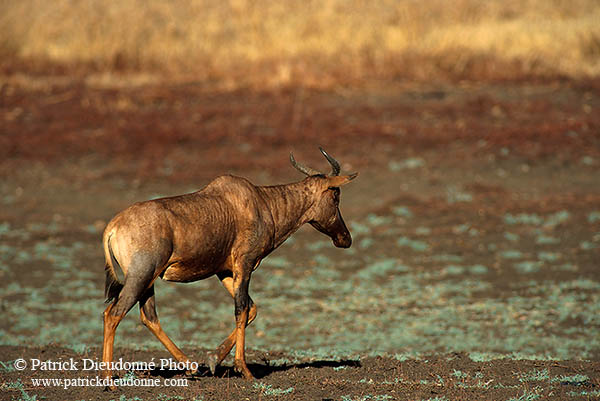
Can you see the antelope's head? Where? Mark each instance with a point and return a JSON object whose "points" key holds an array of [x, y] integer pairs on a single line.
{"points": [[325, 212]]}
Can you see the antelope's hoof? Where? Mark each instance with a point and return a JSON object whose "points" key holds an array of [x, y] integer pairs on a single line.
{"points": [[243, 369], [212, 360], [191, 372], [107, 379]]}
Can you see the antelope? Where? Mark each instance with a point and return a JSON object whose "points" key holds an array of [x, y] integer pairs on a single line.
{"points": [[224, 229]]}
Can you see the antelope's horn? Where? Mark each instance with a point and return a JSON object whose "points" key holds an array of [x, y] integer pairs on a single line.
{"points": [[302, 168], [335, 166]]}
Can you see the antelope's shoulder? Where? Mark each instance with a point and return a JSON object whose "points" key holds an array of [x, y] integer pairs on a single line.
{"points": [[238, 192], [230, 186]]}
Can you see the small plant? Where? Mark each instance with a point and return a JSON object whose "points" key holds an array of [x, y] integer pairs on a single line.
{"points": [[7, 366], [383, 268], [534, 375], [367, 397], [402, 211], [407, 164], [268, 389], [124, 398], [165, 397], [526, 396], [528, 267], [584, 393], [593, 217], [511, 254], [415, 245], [575, 380], [546, 240], [459, 374], [129, 375], [19, 386]]}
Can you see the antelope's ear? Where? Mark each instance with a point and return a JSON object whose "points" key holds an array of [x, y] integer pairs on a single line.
{"points": [[339, 180]]}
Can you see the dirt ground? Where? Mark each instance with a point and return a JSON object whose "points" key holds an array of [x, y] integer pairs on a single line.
{"points": [[475, 216], [451, 377]]}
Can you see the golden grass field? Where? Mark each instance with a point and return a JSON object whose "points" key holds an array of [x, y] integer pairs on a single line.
{"points": [[308, 41]]}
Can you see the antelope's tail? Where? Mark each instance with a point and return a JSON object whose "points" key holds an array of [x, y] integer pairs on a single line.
{"points": [[112, 285]]}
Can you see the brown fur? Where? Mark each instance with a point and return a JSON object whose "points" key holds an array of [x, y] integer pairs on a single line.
{"points": [[225, 229]]}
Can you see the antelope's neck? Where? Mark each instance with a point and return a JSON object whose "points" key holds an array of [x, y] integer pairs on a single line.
{"points": [[289, 205]]}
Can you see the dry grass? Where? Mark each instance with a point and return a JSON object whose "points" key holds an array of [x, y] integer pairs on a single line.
{"points": [[312, 41]]}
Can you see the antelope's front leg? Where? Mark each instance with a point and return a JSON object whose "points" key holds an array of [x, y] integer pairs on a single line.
{"points": [[242, 306], [216, 357]]}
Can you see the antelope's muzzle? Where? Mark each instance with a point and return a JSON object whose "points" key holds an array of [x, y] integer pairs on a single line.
{"points": [[343, 240]]}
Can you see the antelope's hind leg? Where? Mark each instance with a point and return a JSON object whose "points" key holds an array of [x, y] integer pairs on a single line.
{"points": [[114, 313], [215, 358], [149, 318], [139, 279]]}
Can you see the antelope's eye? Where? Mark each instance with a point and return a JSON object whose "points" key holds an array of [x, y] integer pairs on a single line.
{"points": [[336, 193]]}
